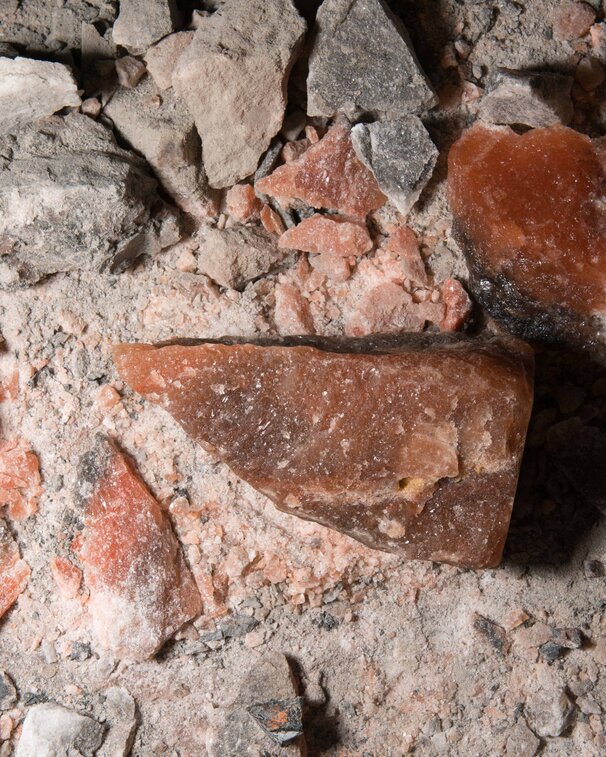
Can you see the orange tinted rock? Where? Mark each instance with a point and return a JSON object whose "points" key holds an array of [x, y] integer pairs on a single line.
{"points": [[574, 20], [292, 313], [9, 389], [141, 590], [20, 483], [271, 221], [528, 211], [328, 175], [67, 576], [385, 309], [402, 243], [242, 203], [323, 234], [14, 572], [410, 445], [458, 306]]}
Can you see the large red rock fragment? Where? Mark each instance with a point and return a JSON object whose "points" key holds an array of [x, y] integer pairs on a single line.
{"points": [[141, 590], [20, 483], [328, 175], [529, 212], [326, 235], [14, 572], [410, 445]]}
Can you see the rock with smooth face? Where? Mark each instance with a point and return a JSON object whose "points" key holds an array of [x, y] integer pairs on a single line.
{"points": [[233, 78], [53, 730], [161, 59], [410, 445], [140, 23]]}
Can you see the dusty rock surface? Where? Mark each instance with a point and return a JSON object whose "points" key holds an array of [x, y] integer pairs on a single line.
{"points": [[391, 657]]}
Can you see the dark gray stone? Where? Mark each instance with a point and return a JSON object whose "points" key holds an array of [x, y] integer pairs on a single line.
{"points": [[362, 61], [8, 692], [531, 99], [400, 154]]}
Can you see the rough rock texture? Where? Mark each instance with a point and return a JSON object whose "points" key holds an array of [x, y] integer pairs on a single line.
{"points": [[143, 22], [71, 199], [327, 175], [362, 61], [401, 156], [162, 130], [237, 255], [239, 734], [141, 590], [235, 84], [328, 235], [50, 730], [162, 58], [33, 88], [528, 211], [14, 572], [20, 482], [379, 449], [121, 712], [531, 99]]}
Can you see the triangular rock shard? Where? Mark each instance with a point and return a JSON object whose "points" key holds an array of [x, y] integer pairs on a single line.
{"points": [[280, 719], [233, 78], [410, 445], [400, 154], [328, 175], [529, 213], [362, 61], [141, 590]]}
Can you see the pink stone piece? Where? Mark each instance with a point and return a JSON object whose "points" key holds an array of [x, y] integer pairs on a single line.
{"points": [[328, 235]]}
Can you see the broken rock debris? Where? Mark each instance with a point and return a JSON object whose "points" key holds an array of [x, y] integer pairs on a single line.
{"points": [[329, 235], [141, 590], [14, 572], [50, 729], [234, 84], [162, 58], [20, 481], [140, 23], [381, 450], [362, 61]]}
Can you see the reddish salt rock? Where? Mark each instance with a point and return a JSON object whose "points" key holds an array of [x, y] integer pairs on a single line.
{"points": [[67, 577], [9, 389], [20, 483], [14, 572], [411, 445], [402, 243], [458, 306], [292, 313], [385, 309], [327, 175], [271, 221], [331, 266], [327, 235], [529, 212], [242, 203], [141, 590], [574, 20]]}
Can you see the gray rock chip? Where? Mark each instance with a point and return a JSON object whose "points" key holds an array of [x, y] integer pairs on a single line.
{"points": [[233, 78], [30, 89], [362, 61], [161, 59], [121, 712], [521, 741], [400, 154], [531, 99], [50, 730], [140, 23], [550, 712], [238, 734], [71, 199], [8, 692], [162, 130], [235, 256]]}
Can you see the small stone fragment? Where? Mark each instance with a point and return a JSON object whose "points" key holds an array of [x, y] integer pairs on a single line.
{"points": [[242, 203], [387, 308], [574, 20], [14, 572], [282, 720], [327, 235], [140, 23], [91, 107], [550, 712], [67, 576], [130, 71], [141, 590], [292, 313], [50, 729], [71, 199], [531, 99], [414, 443], [121, 713], [401, 156], [233, 78], [162, 58], [8, 692], [521, 741], [271, 221], [233, 257], [362, 61], [166, 135], [527, 212], [492, 632], [269, 681], [589, 73], [33, 88], [328, 175], [20, 482], [458, 306]]}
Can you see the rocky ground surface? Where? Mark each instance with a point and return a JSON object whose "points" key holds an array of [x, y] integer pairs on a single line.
{"points": [[389, 657]]}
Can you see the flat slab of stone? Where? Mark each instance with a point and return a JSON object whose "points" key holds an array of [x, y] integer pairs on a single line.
{"points": [[362, 61], [140, 23], [410, 445]]}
